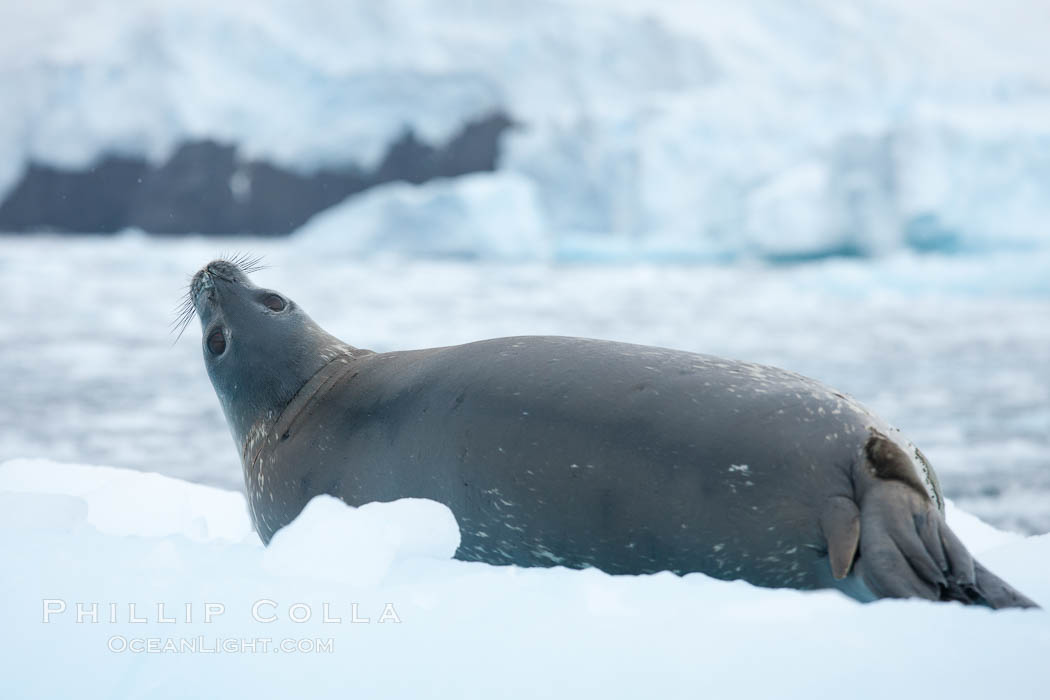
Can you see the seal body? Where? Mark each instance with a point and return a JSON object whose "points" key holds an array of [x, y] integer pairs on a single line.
{"points": [[578, 452]]}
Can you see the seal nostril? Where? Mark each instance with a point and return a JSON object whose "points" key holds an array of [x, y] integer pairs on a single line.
{"points": [[217, 342]]}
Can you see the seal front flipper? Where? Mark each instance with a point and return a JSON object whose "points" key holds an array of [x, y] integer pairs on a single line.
{"points": [[906, 547], [840, 523]]}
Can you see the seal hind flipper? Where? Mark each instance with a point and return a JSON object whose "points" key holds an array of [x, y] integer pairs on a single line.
{"points": [[997, 593], [840, 523], [895, 562], [907, 550]]}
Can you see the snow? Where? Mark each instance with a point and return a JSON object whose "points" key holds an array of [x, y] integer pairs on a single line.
{"points": [[716, 130], [436, 626], [161, 505], [359, 545]]}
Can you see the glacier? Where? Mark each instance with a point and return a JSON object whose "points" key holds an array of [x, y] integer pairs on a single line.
{"points": [[701, 131]]}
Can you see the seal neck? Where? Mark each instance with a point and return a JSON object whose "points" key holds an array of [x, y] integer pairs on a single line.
{"points": [[279, 428]]}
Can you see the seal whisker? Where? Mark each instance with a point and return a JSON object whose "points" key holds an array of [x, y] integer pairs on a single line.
{"points": [[185, 310], [184, 313], [247, 262]]}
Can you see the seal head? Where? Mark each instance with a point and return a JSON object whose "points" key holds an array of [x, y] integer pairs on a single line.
{"points": [[259, 346]]}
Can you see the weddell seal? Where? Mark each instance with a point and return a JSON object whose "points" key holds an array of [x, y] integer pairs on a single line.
{"points": [[576, 452]]}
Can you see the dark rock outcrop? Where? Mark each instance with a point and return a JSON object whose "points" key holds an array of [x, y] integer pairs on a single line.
{"points": [[205, 188]]}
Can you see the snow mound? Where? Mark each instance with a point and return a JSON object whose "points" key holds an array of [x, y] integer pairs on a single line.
{"points": [[138, 610], [124, 502], [333, 541], [978, 535]]}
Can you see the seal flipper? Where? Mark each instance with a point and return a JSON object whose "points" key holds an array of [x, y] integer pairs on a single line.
{"points": [[908, 550], [894, 561], [997, 593], [840, 523]]}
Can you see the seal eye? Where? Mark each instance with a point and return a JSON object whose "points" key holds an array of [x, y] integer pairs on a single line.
{"points": [[217, 342], [274, 302]]}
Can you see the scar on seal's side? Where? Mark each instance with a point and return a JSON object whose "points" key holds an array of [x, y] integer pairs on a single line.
{"points": [[578, 452]]}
